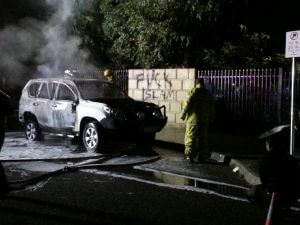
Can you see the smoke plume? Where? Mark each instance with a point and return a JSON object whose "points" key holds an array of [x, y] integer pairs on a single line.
{"points": [[42, 47]]}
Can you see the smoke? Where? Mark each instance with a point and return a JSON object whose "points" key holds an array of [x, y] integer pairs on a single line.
{"points": [[42, 46], [61, 51], [19, 45]]}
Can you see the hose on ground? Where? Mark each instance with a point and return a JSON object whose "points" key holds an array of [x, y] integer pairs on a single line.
{"points": [[87, 164]]}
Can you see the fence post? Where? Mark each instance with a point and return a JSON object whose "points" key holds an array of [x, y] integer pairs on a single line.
{"points": [[279, 104]]}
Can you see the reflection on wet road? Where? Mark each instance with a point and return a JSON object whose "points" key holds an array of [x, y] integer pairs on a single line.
{"points": [[170, 171], [170, 180], [16, 147]]}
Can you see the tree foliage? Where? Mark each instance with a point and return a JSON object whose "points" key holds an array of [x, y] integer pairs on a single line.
{"points": [[158, 33], [87, 23], [174, 33], [249, 50]]}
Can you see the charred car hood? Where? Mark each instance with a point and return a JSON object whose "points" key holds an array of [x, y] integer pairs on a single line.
{"points": [[136, 111], [127, 104]]}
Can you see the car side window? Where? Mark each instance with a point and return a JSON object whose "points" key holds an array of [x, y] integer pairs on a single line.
{"points": [[44, 91], [74, 90], [52, 89], [65, 93], [33, 89]]}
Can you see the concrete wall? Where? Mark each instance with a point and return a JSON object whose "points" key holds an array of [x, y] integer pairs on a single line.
{"points": [[167, 87]]}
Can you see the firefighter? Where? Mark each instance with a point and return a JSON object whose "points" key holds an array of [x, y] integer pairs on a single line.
{"points": [[109, 76], [5, 111], [198, 111]]}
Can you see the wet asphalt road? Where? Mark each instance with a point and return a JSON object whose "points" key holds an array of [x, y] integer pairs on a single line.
{"points": [[160, 192], [86, 198]]}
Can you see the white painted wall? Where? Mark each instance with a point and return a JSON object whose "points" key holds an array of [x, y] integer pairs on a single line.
{"points": [[167, 87]]}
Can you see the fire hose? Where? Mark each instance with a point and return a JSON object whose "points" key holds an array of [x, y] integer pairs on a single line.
{"points": [[86, 164]]}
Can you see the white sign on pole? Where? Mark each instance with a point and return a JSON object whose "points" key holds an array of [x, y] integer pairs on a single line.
{"points": [[292, 44], [292, 50]]}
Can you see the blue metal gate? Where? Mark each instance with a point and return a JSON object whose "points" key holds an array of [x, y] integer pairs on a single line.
{"points": [[261, 95]]}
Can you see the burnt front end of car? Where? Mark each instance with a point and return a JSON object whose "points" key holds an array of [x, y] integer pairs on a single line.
{"points": [[133, 118], [149, 118]]}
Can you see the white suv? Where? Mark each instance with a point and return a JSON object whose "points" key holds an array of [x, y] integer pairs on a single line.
{"points": [[93, 110]]}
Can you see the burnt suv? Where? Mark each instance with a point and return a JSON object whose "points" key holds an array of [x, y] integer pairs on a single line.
{"points": [[94, 111]]}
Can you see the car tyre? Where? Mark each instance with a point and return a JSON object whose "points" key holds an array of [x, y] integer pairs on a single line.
{"points": [[92, 138], [32, 131]]}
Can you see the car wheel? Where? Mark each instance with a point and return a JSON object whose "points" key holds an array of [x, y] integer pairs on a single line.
{"points": [[92, 138], [32, 130]]}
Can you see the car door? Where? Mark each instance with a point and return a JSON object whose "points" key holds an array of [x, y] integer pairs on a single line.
{"points": [[63, 110], [41, 105]]}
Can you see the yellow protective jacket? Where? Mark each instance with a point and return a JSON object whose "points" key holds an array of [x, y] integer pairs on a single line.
{"points": [[111, 78], [199, 106]]}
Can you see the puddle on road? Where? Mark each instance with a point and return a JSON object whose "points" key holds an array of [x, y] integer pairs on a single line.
{"points": [[198, 183], [170, 180], [18, 147]]}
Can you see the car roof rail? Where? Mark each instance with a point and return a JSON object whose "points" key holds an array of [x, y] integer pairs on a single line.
{"points": [[88, 74]]}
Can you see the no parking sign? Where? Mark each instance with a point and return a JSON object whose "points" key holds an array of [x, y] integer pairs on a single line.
{"points": [[292, 50], [292, 44]]}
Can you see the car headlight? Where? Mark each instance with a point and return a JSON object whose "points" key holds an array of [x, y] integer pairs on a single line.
{"points": [[116, 114], [107, 109], [141, 115], [157, 113]]}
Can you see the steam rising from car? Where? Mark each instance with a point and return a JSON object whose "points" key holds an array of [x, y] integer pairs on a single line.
{"points": [[42, 45]]}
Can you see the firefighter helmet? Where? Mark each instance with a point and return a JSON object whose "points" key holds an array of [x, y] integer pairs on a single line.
{"points": [[107, 73]]}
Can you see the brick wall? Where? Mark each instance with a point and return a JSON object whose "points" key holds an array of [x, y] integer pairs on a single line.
{"points": [[167, 87]]}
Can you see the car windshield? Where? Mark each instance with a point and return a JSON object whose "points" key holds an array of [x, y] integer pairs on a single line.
{"points": [[92, 90]]}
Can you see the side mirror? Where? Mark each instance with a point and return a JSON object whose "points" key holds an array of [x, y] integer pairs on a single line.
{"points": [[74, 105]]}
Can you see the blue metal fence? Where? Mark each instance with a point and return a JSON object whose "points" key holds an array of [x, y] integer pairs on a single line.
{"points": [[122, 79], [261, 95]]}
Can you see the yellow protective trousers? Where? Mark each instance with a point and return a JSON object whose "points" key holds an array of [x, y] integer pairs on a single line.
{"points": [[196, 141]]}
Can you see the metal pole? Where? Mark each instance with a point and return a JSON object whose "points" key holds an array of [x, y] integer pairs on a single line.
{"points": [[279, 91], [292, 129]]}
